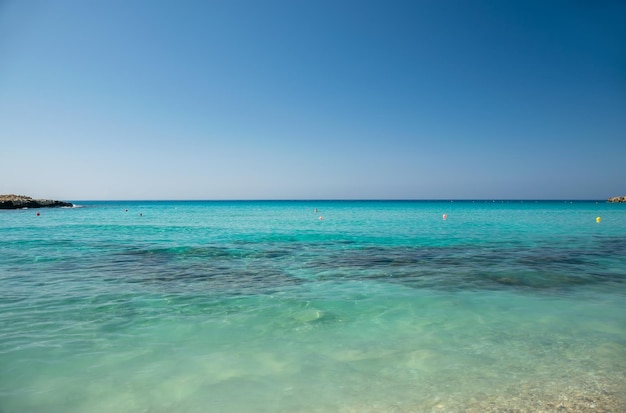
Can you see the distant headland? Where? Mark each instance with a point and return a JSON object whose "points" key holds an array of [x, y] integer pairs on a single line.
{"points": [[22, 201], [618, 199]]}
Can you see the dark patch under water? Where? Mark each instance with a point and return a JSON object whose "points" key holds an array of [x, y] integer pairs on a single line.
{"points": [[264, 267], [471, 267], [257, 268]]}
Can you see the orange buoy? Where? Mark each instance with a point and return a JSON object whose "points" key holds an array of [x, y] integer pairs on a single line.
{"points": [[445, 216]]}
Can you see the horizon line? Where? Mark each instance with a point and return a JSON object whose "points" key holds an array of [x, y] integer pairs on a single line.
{"points": [[348, 200]]}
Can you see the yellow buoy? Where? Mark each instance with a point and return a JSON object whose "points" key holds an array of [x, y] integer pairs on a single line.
{"points": [[598, 219]]}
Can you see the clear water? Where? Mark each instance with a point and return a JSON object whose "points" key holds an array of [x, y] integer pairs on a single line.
{"points": [[262, 306]]}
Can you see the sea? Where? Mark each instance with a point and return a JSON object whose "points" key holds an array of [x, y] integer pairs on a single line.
{"points": [[313, 306]]}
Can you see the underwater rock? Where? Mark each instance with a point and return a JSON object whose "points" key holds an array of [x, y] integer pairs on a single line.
{"points": [[309, 315]]}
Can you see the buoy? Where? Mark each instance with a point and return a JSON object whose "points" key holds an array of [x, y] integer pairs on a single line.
{"points": [[445, 216], [321, 218], [598, 219], [38, 214]]}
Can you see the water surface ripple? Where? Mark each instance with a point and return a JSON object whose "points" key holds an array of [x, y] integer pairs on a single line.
{"points": [[262, 306]]}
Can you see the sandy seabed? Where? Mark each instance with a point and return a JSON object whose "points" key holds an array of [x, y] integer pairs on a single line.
{"points": [[580, 395]]}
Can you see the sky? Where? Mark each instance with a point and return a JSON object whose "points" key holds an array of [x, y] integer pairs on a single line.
{"points": [[313, 99]]}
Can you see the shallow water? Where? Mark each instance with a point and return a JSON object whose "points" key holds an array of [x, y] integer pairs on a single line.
{"points": [[262, 306]]}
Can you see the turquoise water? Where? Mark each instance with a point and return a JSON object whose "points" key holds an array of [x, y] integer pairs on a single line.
{"points": [[265, 307]]}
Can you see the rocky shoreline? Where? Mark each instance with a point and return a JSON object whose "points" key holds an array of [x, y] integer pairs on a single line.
{"points": [[22, 201], [617, 199]]}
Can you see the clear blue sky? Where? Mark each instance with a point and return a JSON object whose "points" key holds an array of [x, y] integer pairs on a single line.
{"points": [[301, 99]]}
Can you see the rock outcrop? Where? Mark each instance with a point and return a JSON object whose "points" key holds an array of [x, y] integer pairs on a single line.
{"points": [[21, 201], [618, 199]]}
